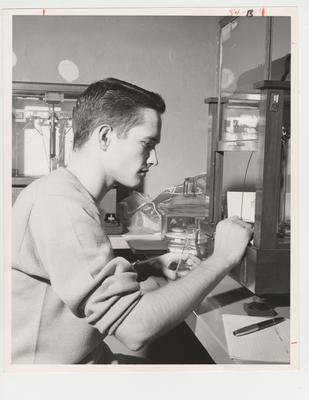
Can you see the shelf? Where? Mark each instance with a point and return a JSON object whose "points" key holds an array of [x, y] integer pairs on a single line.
{"points": [[272, 85], [238, 145], [26, 89], [23, 180]]}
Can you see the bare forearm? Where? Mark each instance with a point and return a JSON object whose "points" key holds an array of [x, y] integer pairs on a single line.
{"points": [[162, 309]]}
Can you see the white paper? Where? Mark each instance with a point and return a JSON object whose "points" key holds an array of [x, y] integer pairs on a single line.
{"points": [[242, 205], [270, 345]]}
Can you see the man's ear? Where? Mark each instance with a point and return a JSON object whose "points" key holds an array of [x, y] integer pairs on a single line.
{"points": [[104, 136]]}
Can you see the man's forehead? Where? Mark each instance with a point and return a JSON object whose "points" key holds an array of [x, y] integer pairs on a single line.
{"points": [[154, 137], [150, 125]]}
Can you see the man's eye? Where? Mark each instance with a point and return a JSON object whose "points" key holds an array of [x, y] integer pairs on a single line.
{"points": [[147, 146]]}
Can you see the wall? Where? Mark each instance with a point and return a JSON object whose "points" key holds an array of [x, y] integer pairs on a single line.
{"points": [[175, 56]]}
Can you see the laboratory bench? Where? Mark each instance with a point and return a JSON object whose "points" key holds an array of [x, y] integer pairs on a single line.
{"points": [[229, 297]]}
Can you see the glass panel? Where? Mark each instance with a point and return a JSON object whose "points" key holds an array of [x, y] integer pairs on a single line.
{"points": [[281, 49], [241, 67], [33, 122], [240, 120], [284, 223]]}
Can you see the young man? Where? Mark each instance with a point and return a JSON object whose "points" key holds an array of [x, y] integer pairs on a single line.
{"points": [[69, 292]]}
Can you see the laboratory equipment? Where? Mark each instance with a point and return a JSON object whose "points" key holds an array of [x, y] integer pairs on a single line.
{"points": [[184, 222], [42, 137], [249, 145]]}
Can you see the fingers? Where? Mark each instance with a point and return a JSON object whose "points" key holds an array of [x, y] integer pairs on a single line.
{"points": [[237, 220], [240, 222], [119, 264], [170, 274], [168, 257], [192, 260], [171, 260], [189, 258], [232, 238], [247, 226]]}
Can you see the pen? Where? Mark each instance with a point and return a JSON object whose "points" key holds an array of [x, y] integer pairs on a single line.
{"points": [[258, 326]]}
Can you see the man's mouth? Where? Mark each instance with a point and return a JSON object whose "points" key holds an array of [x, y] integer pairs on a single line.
{"points": [[143, 171]]}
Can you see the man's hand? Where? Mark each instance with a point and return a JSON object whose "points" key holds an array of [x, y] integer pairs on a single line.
{"points": [[231, 240], [164, 265]]}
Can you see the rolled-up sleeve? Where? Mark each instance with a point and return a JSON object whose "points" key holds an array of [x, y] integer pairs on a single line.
{"points": [[77, 258]]}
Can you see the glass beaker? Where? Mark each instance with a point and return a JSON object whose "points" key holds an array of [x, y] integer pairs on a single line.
{"points": [[190, 244]]}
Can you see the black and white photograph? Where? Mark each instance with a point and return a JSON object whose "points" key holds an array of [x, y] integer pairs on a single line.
{"points": [[150, 191]]}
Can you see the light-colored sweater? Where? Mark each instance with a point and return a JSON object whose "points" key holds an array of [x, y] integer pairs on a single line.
{"points": [[68, 290]]}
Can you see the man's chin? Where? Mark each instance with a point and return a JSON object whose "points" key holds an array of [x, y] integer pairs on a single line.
{"points": [[138, 181], [132, 183]]}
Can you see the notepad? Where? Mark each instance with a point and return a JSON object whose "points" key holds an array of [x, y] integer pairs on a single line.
{"points": [[270, 345]]}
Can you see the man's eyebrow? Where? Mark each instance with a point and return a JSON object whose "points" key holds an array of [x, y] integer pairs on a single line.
{"points": [[151, 139]]}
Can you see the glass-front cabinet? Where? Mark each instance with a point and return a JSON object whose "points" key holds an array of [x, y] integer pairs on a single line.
{"points": [[240, 122], [42, 138], [249, 147]]}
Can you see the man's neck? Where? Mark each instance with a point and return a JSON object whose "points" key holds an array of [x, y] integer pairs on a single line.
{"points": [[94, 181]]}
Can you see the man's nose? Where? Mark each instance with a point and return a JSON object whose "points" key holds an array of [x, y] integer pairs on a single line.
{"points": [[152, 159]]}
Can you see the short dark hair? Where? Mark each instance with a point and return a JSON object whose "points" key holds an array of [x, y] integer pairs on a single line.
{"points": [[114, 102]]}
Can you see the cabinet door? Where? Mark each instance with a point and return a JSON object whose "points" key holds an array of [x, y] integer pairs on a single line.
{"points": [[42, 135]]}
